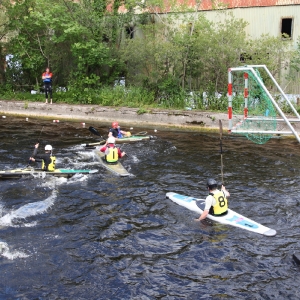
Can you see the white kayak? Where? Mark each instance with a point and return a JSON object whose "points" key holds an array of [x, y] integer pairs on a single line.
{"points": [[231, 218]]}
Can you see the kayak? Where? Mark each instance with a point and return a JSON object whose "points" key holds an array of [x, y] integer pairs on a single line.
{"points": [[127, 139], [231, 218], [17, 173], [116, 168], [134, 138]]}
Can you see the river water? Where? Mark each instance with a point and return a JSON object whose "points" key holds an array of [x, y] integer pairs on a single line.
{"points": [[100, 236]]}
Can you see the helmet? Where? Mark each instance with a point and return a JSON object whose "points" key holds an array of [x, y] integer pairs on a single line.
{"points": [[48, 148], [111, 140], [211, 184], [114, 124]]}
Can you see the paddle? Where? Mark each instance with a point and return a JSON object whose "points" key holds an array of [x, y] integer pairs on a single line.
{"points": [[221, 132], [38, 141], [40, 135], [93, 144], [94, 131], [141, 133]]}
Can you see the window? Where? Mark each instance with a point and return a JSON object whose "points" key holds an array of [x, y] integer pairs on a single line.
{"points": [[286, 27], [130, 32]]}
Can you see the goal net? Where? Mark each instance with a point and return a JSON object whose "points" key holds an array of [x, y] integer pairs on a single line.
{"points": [[250, 100]]}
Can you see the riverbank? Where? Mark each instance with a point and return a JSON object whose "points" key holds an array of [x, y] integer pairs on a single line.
{"points": [[178, 119], [187, 120]]}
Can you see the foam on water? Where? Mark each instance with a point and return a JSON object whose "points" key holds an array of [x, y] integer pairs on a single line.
{"points": [[28, 210], [23, 212], [78, 177], [4, 251], [135, 159]]}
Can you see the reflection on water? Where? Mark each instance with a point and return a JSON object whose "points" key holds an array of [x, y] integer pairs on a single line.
{"points": [[106, 237]]}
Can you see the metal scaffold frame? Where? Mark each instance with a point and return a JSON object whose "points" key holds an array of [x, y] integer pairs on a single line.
{"points": [[251, 68]]}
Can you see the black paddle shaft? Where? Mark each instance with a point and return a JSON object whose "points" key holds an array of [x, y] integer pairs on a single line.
{"points": [[40, 135], [38, 141], [221, 133], [221, 150]]}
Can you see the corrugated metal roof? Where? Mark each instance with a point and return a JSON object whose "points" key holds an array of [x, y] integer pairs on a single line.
{"points": [[207, 4]]}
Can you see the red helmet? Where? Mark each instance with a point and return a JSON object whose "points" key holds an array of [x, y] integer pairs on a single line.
{"points": [[114, 124]]}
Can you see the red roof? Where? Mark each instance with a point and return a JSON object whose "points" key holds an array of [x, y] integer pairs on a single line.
{"points": [[218, 4], [207, 4]]}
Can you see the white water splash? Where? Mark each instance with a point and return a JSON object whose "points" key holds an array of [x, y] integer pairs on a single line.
{"points": [[78, 177], [135, 159], [41, 175], [4, 251], [85, 155], [28, 210]]}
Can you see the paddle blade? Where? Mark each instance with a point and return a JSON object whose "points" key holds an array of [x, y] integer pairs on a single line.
{"points": [[94, 131], [141, 133]]}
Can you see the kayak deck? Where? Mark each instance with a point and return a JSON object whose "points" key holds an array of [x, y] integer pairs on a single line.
{"points": [[231, 218], [116, 168], [131, 139], [17, 173]]}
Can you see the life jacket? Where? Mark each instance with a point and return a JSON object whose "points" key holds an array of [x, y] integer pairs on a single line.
{"points": [[111, 154], [51, 166], [221, 206], [119, 134], [116, 132]]}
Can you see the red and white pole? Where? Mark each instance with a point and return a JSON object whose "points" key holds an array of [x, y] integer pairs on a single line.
{"points": [[246, 94], [229, 95]]}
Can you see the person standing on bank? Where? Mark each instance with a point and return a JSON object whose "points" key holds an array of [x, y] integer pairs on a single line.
{"points": [[47, 79], [48, 161], [216, 203]]}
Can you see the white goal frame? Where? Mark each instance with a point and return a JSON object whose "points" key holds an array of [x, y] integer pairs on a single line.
{"points": [[235, 129]]}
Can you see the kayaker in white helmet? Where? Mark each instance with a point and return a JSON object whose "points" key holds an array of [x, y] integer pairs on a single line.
{"points": [[48, 161], [112, 153]]}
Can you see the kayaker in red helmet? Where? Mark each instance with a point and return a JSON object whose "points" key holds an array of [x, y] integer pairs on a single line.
{"points": [[116, 132]]}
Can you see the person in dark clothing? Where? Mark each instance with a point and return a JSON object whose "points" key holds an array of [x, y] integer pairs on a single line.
{"points": [[48, 161], [116, 132], [47, 79]]}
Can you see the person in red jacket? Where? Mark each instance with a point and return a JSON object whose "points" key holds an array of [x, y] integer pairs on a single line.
{"points": [[47, 79]]}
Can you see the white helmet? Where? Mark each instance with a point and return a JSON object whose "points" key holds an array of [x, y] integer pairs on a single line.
{"points": [[111, 140], [48, 148]]}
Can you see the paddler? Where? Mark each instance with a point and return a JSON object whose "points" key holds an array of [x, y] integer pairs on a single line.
{"points": [[112, 153], [116, 132], [48, 161], [216, 203]]}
